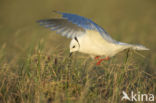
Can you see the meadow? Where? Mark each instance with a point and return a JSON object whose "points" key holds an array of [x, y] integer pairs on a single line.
{"points": [[35, 66]]}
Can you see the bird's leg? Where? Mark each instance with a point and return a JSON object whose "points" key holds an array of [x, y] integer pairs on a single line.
{"points": [[99, 62], [97, 57]]}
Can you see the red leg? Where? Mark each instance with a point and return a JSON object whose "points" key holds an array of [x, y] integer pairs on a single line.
{"points": [[99, 62], [97, 57]]}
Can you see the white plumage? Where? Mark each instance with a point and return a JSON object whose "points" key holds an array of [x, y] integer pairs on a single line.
{"points": [[87, 36], [93, 43]]}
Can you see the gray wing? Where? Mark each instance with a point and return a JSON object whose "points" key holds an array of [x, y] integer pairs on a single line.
{"points": [[63, 27]]}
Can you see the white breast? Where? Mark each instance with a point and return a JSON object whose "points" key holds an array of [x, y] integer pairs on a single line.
{"points": [[94, 44]]}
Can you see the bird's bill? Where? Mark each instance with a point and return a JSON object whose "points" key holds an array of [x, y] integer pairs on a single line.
{"points": [[70, 54]]}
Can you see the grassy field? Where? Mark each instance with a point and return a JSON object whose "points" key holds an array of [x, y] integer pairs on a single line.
{"points": [[34, 62]]}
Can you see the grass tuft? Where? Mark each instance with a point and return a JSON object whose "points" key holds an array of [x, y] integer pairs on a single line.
{"points": [[43, 78]]}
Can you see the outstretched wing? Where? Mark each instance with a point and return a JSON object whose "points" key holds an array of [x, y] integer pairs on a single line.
{"points": [[72, 25], [63, 27]]}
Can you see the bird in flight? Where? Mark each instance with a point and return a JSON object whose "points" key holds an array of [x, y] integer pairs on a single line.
{"points": [[87, 37]]}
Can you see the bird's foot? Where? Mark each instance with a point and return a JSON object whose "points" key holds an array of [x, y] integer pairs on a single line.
{"points": [[97, 57], [99, 62]]}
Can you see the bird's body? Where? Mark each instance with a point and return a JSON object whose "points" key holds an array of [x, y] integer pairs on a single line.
{"points": [[87, 36], [91, 46]]}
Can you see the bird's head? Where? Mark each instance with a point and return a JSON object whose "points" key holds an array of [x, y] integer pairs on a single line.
{"points": [[74, 45]]}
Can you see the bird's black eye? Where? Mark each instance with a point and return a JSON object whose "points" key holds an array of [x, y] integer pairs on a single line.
{"points": [[74, 46]]}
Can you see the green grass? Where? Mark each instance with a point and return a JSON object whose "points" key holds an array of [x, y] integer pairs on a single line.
{"points": [[34, 62]]}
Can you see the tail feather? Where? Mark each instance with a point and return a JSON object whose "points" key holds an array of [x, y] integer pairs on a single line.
{"points": [[134, 46], [139, 47]]}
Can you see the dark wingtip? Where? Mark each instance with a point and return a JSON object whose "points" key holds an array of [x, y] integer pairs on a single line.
{"points": [[41, 22]]}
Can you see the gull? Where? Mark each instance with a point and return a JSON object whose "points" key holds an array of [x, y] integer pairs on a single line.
{"points": [[87, 36]]}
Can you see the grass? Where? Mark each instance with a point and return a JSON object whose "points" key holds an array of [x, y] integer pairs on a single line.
{"points": [[34, 62], [43, 78]]}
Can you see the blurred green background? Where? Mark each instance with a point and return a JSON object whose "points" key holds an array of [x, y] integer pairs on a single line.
{"points": [[131, 21]]}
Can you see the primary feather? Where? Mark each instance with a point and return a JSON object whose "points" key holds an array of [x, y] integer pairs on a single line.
{"points": [[63, 27], [73, 21]]}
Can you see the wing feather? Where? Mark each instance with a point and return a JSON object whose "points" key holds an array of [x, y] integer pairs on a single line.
{"points": [[63, 26], [72, 25], [87, 24]]}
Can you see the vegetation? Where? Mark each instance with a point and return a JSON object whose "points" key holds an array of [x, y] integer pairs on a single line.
{"points": [[60, 79], [35, 66]]}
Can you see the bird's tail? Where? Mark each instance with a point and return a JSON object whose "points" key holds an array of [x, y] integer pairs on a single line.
{"points": [[133, 46]]}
